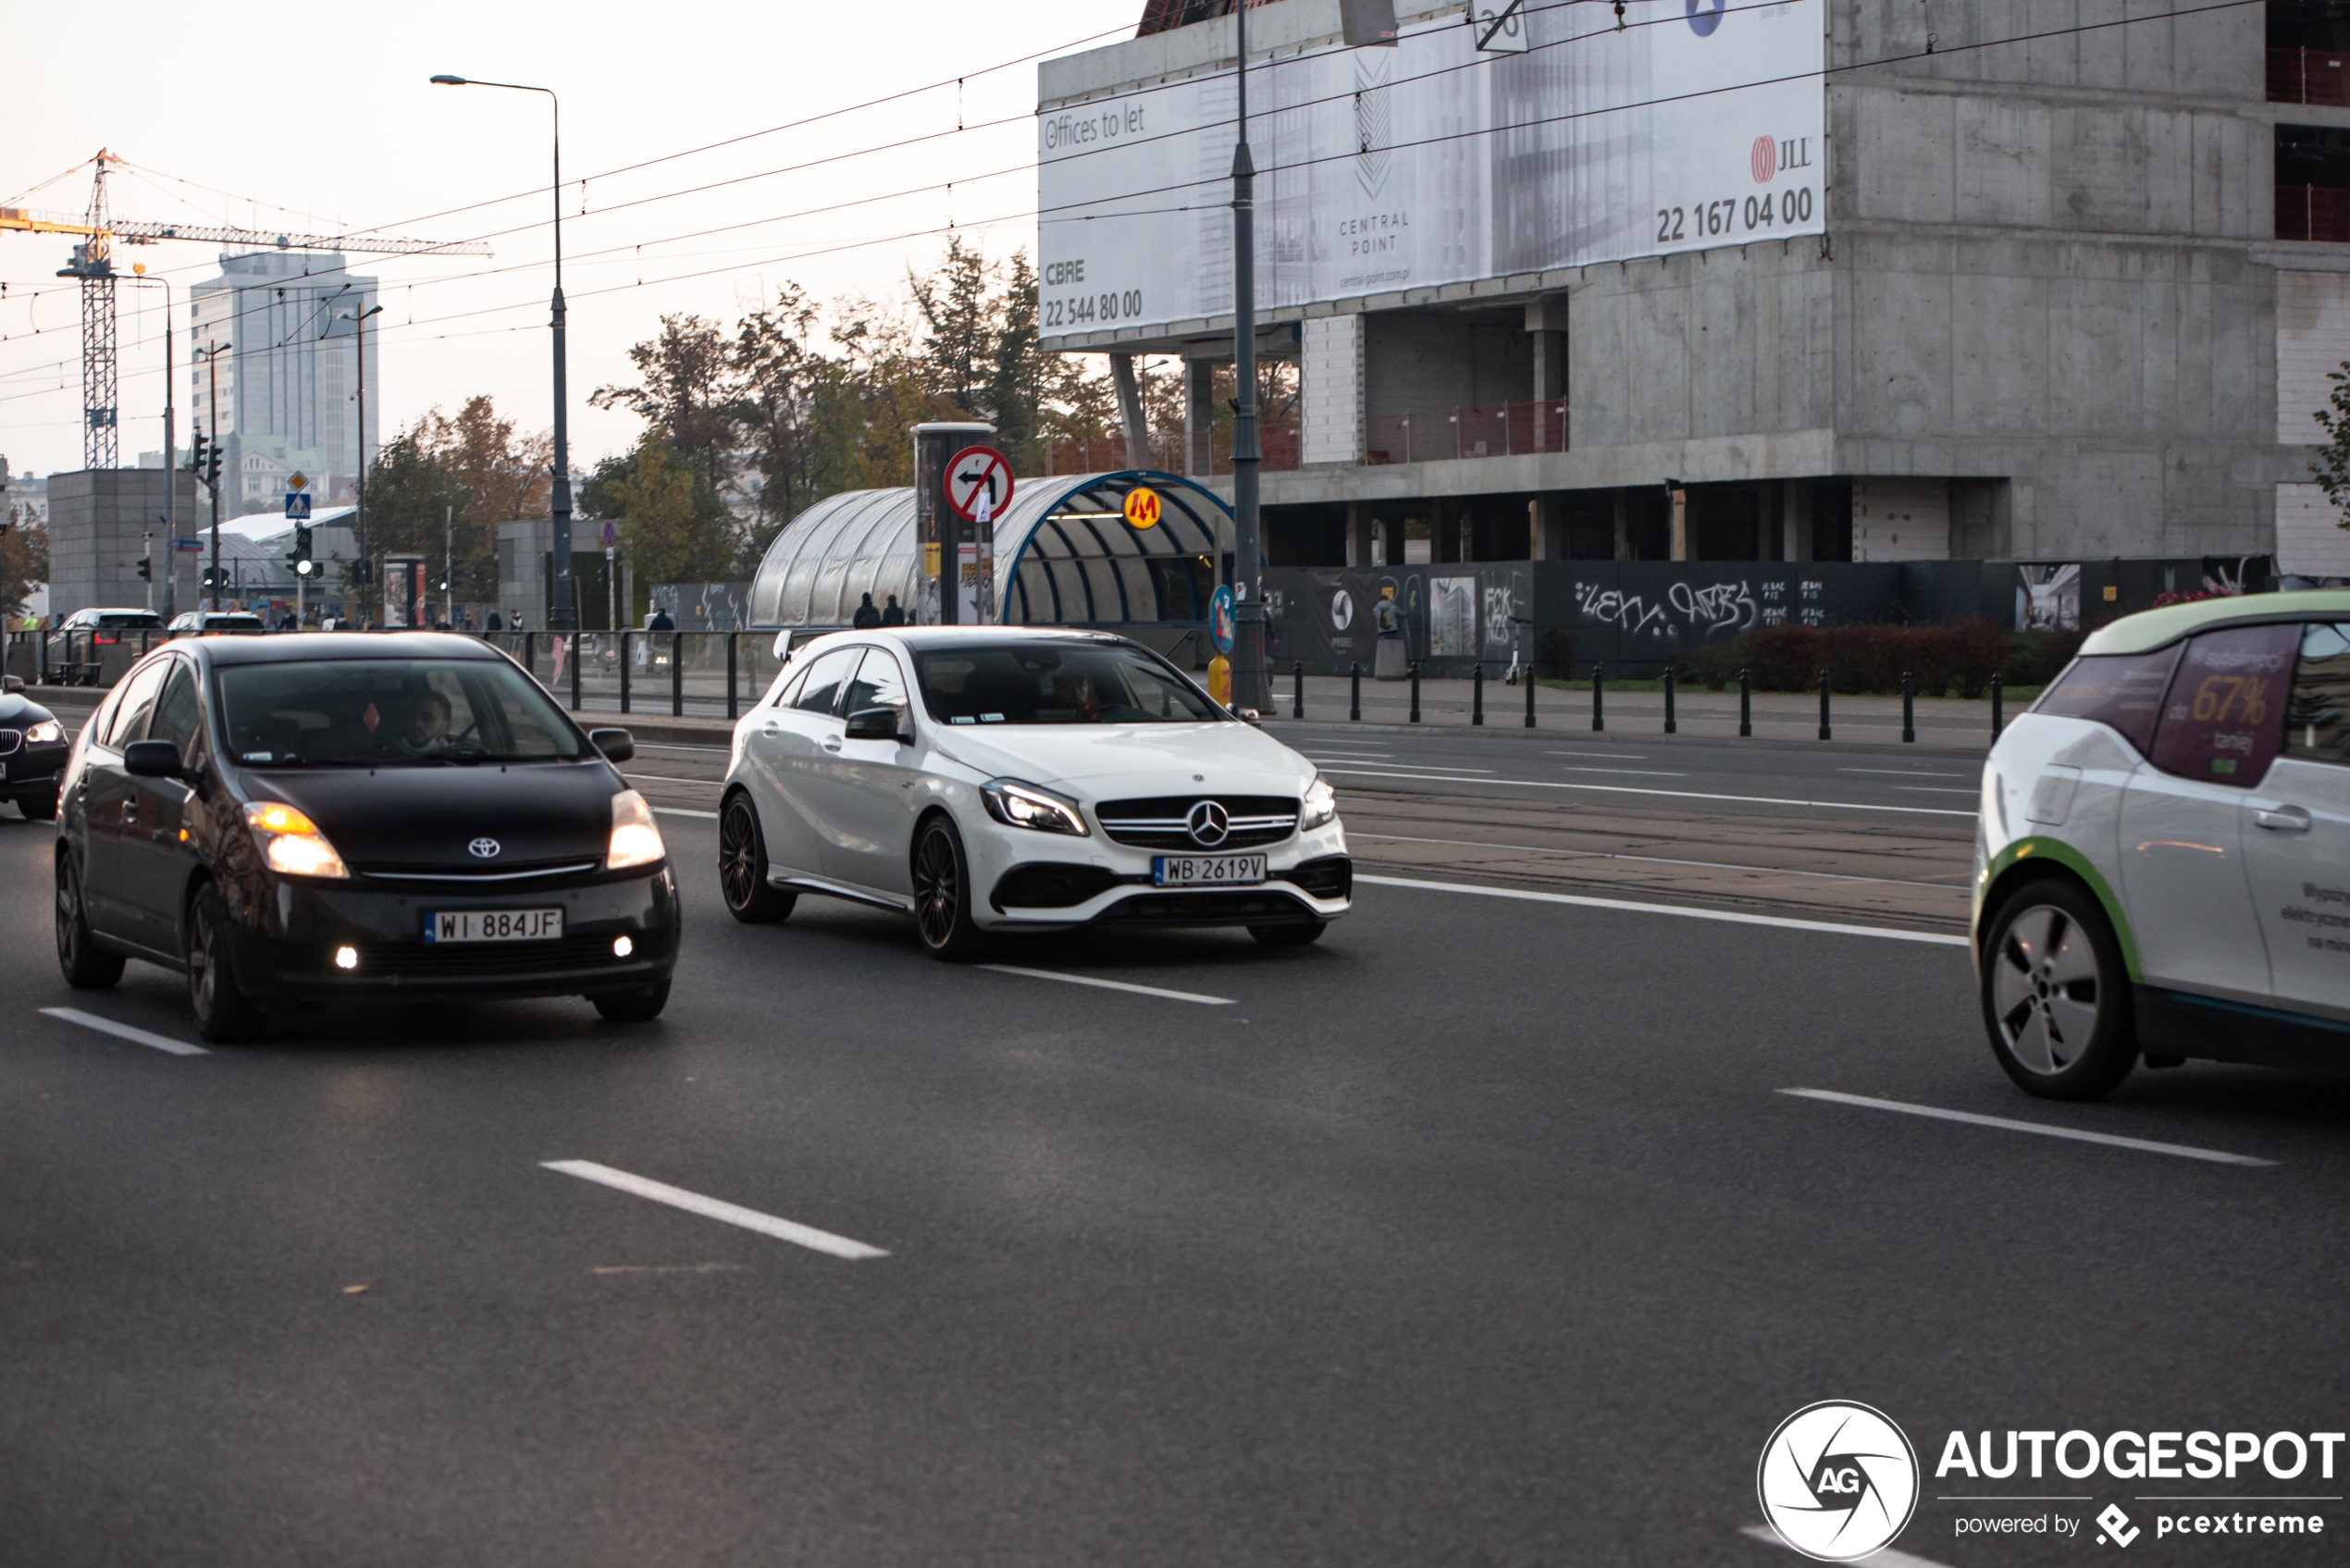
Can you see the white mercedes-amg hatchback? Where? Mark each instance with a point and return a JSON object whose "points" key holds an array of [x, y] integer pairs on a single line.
{"points": [[1010, 778]]}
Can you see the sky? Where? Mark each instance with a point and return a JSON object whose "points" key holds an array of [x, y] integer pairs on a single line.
{"points": [[348, 134]]}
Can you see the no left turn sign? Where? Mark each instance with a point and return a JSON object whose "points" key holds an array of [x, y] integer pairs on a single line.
{"points": [[978, 484]]}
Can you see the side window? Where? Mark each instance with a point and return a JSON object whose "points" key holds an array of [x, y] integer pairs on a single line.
{"points": [[2121, 689], [138, 696], [879, 683], [2224, 716], [2317, 720], [824, 677], [178, 718]]}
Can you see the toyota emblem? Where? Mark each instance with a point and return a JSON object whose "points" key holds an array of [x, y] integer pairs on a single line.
{"points": [[484, 848], [1209, 824]]}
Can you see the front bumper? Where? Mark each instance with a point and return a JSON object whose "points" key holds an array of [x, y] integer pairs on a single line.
{"points": [[31, 772], [285, 951], [1043, 881]]}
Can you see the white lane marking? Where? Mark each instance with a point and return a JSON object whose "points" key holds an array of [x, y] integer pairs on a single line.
{"points": [[1884, 1557], [716, 1209], [1903, 772], [659, 746], [1612, 755], [1934, 789], [124, 1031], [1381, 764], [670, 778], [1785, 922], [2009, 1124], [1627, 772], [1659, 860], [1666, 794], [1110, 984], [681, 811]]}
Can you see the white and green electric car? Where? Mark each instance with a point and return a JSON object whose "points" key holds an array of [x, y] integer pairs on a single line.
{"points": [[2162, 864]]}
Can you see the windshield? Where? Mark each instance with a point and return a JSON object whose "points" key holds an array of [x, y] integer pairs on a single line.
{"points": [[1055, 683], [390, 712]]}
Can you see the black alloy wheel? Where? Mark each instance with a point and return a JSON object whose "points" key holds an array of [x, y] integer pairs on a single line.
{"points": [[1297, 936], [2056, 996], [742, 867], [87, 965], [942, 894], [224, 1015], [635, 1006]]}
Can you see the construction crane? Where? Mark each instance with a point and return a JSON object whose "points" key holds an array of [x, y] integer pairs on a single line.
{"points": [[93, 265]]}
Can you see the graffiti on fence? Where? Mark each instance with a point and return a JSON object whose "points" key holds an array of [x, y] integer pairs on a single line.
{"points": [[1627, 612]]}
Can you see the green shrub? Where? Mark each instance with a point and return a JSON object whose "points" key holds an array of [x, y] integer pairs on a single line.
{"points": [[1872, 657]]}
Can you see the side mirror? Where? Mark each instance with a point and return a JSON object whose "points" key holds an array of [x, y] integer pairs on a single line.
{"points": [[1249, 716], [618, 746], [11, 684], [152, 759], [877, 723]]}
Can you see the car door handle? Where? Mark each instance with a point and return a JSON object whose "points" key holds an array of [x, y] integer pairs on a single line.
{"points": [[2282, 819], [768, 730], [832, 743]]}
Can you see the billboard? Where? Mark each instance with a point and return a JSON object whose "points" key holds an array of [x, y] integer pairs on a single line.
{"points": [[1697, 123]]}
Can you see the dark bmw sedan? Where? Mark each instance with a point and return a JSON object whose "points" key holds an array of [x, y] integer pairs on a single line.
{"points": [[32, 752], [300, 820]]}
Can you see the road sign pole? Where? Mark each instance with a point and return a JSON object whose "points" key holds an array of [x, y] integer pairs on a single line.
{"points": [[1248, 663], [939, 529]]}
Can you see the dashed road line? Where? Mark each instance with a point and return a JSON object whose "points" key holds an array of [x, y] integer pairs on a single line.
{"points": [[1112, 984], [1726, 917], [717, 1208], [2009, 1124], [681, 811], [124, 1031], [1664, 793], [1659, 860]]}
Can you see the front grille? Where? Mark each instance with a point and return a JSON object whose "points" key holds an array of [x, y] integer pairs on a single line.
{"points": [[474, 877], [1050, 886], [1161, 821], [1235, 906], [10, 740], [446, 960]]}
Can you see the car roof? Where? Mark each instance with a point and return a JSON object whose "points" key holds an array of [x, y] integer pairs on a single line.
{"points": [[2150, 629], [288, 648], [124, 609], [919, 637]]}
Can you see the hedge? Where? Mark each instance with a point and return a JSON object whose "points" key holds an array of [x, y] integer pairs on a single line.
{"points": [[1961, 656]]}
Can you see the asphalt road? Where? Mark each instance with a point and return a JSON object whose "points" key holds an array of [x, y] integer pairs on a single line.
{"points": [[1483, 1232]]}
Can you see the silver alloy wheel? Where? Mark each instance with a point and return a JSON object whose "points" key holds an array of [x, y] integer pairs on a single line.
{"points": [[203, 967], [69, 916], [2046, 989]]}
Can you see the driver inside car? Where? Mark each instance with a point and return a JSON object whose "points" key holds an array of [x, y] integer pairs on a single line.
{"points": [[428, 731]]}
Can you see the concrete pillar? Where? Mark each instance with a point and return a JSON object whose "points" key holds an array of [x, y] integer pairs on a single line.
{"points": [[1546, 528], [1359, 543], [1199, 417], [1796, 524], [1330, 388], [1680, 523], [1623, 525], [1444, 524], [1129, 412], [1390, 541]]}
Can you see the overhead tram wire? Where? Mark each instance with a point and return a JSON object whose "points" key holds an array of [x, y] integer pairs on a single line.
{"points": [[1042, 213]]}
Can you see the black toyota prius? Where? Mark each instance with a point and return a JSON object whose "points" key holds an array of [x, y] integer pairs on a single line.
{"points": [[304, 819]]}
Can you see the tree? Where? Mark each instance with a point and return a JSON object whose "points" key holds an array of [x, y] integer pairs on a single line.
{"points": [[684, 390], [24, 558], [2332, 467], [674, 525], [468, 475]]}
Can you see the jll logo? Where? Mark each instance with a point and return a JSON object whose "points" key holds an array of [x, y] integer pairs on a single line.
{"points": [[1764, 159]]}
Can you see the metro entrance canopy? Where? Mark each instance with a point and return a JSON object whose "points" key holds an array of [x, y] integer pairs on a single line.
{"points": [[1066, 555]]}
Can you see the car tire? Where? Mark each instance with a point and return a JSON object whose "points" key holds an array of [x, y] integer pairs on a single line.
{"points": [[1299, 934], [39, 808], [224, 1014], [87, 965], [943, 894], [635, 1006], [743, 869], [2055, 995]]}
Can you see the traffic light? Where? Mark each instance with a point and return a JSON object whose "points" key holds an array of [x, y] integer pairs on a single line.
{"points": [[196, 453], [363, 571], [146, 570], [212, 465]]}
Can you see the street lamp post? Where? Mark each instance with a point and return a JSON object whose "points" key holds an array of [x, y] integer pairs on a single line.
{"points": [[562, 615], [1248, 630], [359, 483], [211, 353]]}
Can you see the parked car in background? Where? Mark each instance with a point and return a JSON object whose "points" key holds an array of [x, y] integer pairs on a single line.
{"points": [[32, 751], [2162, 865], [103, 620], [205, 622]]}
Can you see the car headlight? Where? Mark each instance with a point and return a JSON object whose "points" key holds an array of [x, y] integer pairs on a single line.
{"points": [[635, 840], [46, 733], [1321, 804], [290, 843], [1025, 806]]}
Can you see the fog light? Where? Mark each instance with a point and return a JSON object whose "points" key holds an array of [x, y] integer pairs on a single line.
{"points": [[622, 947], [346, 957]]}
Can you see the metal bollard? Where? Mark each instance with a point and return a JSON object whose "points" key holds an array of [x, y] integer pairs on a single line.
{"points": [[44, 656], [1746, 703], [1477, 692], [1999, 707], [1297, 689], [1354, 698], [1599, 717], [1824, 705], [1671, 725], [624, 667], [1909, 707], [676, 675], [1415, 691], [731, 638], [573, 646], [1529, 696], [530, 654]]}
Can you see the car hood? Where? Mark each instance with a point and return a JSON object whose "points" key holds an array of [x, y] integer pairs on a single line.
{"points": [[1117, 759], [19, 713], [426, 819]]}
